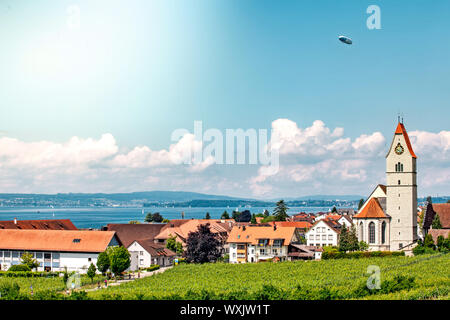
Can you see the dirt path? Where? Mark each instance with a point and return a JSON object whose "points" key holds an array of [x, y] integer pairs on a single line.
{"points": [[119, 282]]}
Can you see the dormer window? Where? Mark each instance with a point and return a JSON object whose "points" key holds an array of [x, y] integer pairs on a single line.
{"points": [[76, 240]]}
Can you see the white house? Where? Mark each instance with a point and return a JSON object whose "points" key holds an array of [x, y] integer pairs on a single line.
{"points": [[323, 233], [55, 250], [144, 253]]}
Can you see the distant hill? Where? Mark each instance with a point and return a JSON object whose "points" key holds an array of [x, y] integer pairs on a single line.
{"points": [[326, 198]]}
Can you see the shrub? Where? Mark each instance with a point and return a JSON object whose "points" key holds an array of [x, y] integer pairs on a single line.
{"points": [[19, 267], [9, 291], [153, 267]]}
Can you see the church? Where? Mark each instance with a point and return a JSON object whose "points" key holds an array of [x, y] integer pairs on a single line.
{"points": [[387, 220]]}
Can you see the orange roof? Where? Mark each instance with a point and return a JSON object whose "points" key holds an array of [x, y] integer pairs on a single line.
{"points": [[401, 130], [295, 224], [335, 217], [252, 234], [55, 240], [371, 210], [53, 224], [181, 229]]}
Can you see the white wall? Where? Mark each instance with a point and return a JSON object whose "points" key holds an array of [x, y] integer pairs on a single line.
{"points": [[321, 235]]}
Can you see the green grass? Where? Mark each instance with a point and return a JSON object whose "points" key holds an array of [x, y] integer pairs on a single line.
{"points": [[335, 279]]}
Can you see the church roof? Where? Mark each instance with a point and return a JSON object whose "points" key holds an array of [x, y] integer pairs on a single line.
{"points": [[401, 130], [373, 209]]}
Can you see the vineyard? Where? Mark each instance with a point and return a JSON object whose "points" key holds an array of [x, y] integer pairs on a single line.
{"points": [[421, 277]]}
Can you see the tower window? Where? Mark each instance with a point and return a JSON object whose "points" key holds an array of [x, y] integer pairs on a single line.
{"points": [[399, 182], [399, 167]]}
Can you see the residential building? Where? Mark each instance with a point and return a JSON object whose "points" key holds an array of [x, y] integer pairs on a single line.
{"points": [[55, 250], [304, 252], [324, 232], [145, 253], [53, 224], [260, 243]]}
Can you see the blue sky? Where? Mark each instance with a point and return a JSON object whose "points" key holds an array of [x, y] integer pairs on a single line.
{"points": [[140, 69]]}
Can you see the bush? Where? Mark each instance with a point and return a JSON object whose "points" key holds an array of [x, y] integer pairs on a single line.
{"points": [[28, 274], [19, 267], [153, 267], [360, 254], [9, 291]]}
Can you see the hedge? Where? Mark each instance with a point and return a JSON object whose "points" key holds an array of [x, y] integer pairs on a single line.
{"points": [[361, 254], [153, 267], [28, 274]]}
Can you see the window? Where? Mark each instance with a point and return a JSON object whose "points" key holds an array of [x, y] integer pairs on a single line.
{"points": [[38, 255], [76, 240], [399, 167], [263, 242], [399, 182], [361, 231], [141, 253], [330, 237], [278, 242], [318, 230], [383, 232], [400, 245], [324, 237], [311, 237], [274, 251], [371, 232], [262, 252], [89, 259], [241, 247], [141, 261], [317, 236]]}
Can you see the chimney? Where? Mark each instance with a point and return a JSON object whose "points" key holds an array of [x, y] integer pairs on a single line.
{"points": [[274, 227], [243, 228], [15, 220]]}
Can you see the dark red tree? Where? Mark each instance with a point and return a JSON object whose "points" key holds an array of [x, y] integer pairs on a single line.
{"points": [[203, 245]]}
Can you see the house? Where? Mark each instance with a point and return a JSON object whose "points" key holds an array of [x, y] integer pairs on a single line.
{"points": [[443, 210], [435, 233], [145, 253], [55, 250], [324, 232], [346, 221], [128, 233], [53, 224], [260, 243], [300, 226], [304, 252], [302, 216], [180, 229]]}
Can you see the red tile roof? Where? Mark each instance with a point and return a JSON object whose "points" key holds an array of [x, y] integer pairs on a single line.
{"points": [[371, 210], [55, 240], [443, 210], [155, 249], [128, 233], [401, 130], [54, 224], [252, 234], [296, 224]]}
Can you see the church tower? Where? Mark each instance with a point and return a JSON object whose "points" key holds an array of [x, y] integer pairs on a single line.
{"points": [[401, 190]]}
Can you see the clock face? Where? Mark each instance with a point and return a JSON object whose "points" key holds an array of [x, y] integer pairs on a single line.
{"points": [[399, 149]]}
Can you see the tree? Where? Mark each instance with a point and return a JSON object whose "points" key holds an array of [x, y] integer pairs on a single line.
{"points": [[440, 243], [148, 217], [253, 220], [133, 222], [27, 259], [334, 210], [244, 216], [428, 241], [429, 200], [236, 215], [103, 262], [448, 201], [91, 272], [119, 259], [157, 217], [343, 240], [207, 216], [361, 203], [225, 215], [266, 213], [203, 245], [280, 211], [436, 224], [353, 244], [174, 245], [363, 246]]}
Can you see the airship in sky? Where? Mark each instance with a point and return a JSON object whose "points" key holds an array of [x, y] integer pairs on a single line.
{"points": [[345, 40]]}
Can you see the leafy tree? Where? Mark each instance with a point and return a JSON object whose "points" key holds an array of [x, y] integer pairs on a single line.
{"points": [[103, 262], [133, 222], [236, 215], [436, 224], [334, 210], [119, 259], [157, 217], [440, 243], [363, 246], [253, 220], [19, 267], [360, 204], [428, 241], [165, 221], [174, 245], [149, 217], [203, 245], [244, 216], [280, 211], [91, 272], [353, 244], [27, 258], [268, 219], [344, 245], [225, 215], [207, 216]]}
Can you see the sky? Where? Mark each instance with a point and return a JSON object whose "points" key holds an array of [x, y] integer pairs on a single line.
{"points": [[91, 92]]}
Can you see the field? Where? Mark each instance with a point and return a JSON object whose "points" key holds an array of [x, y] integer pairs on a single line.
{"points": [[328, 279]]}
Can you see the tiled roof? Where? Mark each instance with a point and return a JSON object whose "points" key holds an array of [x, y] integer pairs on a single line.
{"points": [[401, 130], [155, 249], [252, 234], [54, 224], [127, 233], [371, 210], [181, 228], [55, 240], [295, 224], [443, 210]]}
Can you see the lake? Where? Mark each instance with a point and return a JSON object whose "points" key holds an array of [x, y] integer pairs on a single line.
{"points": [[97, 217]]}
